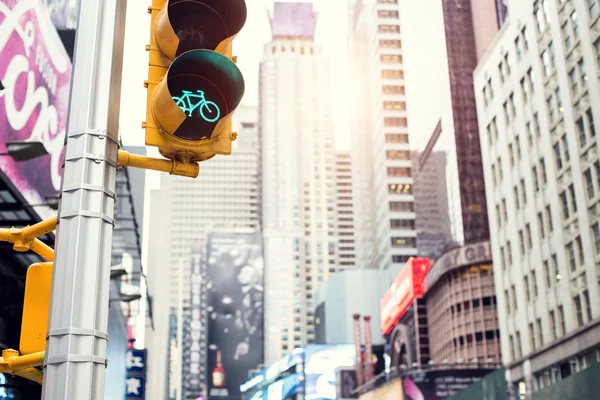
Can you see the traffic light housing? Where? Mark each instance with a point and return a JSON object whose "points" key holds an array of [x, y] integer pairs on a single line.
{"points": [[36, 308], [193, 83]]}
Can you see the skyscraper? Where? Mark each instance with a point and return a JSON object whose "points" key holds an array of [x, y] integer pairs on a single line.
{"points": [[538, 98], [225, 196], [298, 163], [381, 155], [345, 210]]}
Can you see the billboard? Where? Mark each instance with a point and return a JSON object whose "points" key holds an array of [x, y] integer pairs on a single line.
{"points": [[320, 365], [35, 72], [63, 12], [234, 283], [440, 384], [194, 349], [407, 285]]}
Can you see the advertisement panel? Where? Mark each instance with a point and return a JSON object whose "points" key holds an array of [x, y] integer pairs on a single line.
{"points": [[407, 285], [320, 364], [35, 72], [136, 374], [440, 384], [63, 12], [234, 285], [391, 391]]}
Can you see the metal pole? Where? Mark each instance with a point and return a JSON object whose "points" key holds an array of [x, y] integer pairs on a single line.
{"points": [[77, 333]]}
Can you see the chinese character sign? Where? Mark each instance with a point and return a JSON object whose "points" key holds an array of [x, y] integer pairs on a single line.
{"points": [[35, 72], [135, 362]]}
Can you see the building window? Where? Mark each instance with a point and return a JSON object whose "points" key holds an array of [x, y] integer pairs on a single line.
{"points": [[393, 89], [400, 188], [549, 218], [590, 120], [540, 332], [394, 105], [402, 223], [389, 28], [543, 170], [567, 34], [547, 274], [391, 59], [581, 131], [399, 171], [596, 233], [561, 320], [536, 182], [593, 6], [404, 243], [395, 121], [532, 336], [541, 225], [558, 156], [565, 205], [588, 305], [570, 248], [589, 183], [390, 44], [387, 14], [527, 292], [553, 326], [573, 198], [392, 74], [575, 24], [565, 145], [580, 250], [396, 138], [578, 311]]}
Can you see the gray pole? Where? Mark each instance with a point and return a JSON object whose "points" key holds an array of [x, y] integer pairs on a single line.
{"points": [[77, 333]]}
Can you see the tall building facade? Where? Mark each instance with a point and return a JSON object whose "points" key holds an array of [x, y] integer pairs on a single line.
{"points": [[345, 210], [298, 167], [538, 98], [431, 203], [385, 216], [224, 197]]}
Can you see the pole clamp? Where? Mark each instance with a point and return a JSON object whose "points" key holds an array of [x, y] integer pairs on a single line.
{"points": [[99, 133]]}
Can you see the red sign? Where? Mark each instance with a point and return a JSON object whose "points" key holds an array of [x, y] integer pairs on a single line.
{"points": [[407, 285]]}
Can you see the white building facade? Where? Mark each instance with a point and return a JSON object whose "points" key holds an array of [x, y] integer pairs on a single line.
{"points": [[538, 97], [298, 172], [385, 226]]}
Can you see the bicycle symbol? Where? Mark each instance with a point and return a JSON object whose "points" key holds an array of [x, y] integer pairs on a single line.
{"points": [[208, 110]]}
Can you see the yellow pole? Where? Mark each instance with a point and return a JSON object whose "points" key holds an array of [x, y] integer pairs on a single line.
{"points": [[39, 229], [42, 249], [172, 167]]}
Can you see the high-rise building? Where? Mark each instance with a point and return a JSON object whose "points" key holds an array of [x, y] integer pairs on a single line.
{"points": [[298, 167], [224, 197], [381, 156], [345, 210], [538, 98], [431, 203]]}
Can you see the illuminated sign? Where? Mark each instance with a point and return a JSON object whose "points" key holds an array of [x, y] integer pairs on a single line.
{"points": [[189, 102], [407, 285], [255, 380]]}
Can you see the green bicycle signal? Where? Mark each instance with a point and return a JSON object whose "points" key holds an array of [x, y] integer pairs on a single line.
{"points": [[189, 102]]}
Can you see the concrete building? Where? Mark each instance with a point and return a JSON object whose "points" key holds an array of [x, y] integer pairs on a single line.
{"points": [[345, 210], [433, 226], [381, 154], [462, 306], [345, 294], [298, 172], [225, 196], [538, 97]]}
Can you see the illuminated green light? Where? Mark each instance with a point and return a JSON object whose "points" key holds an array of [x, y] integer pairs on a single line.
{"points": [[188, 102]]}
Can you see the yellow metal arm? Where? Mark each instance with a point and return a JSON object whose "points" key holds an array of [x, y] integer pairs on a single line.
{"points": [[12, 363], [173, 167], [26, 238]]}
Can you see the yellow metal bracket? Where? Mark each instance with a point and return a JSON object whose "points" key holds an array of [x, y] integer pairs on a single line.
{"points": [[24, 366], [25, 239], [173, 167]]}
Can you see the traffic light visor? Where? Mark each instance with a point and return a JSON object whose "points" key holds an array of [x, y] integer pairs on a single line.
{"points": [[201, 88], [185, 25], [36, 307]]}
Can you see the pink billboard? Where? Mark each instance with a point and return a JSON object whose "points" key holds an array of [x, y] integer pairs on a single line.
{"points": [[35, 71]]}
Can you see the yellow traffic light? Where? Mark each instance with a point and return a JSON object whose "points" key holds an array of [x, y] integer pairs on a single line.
{"points": [[193, 83], [36, 307]]}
